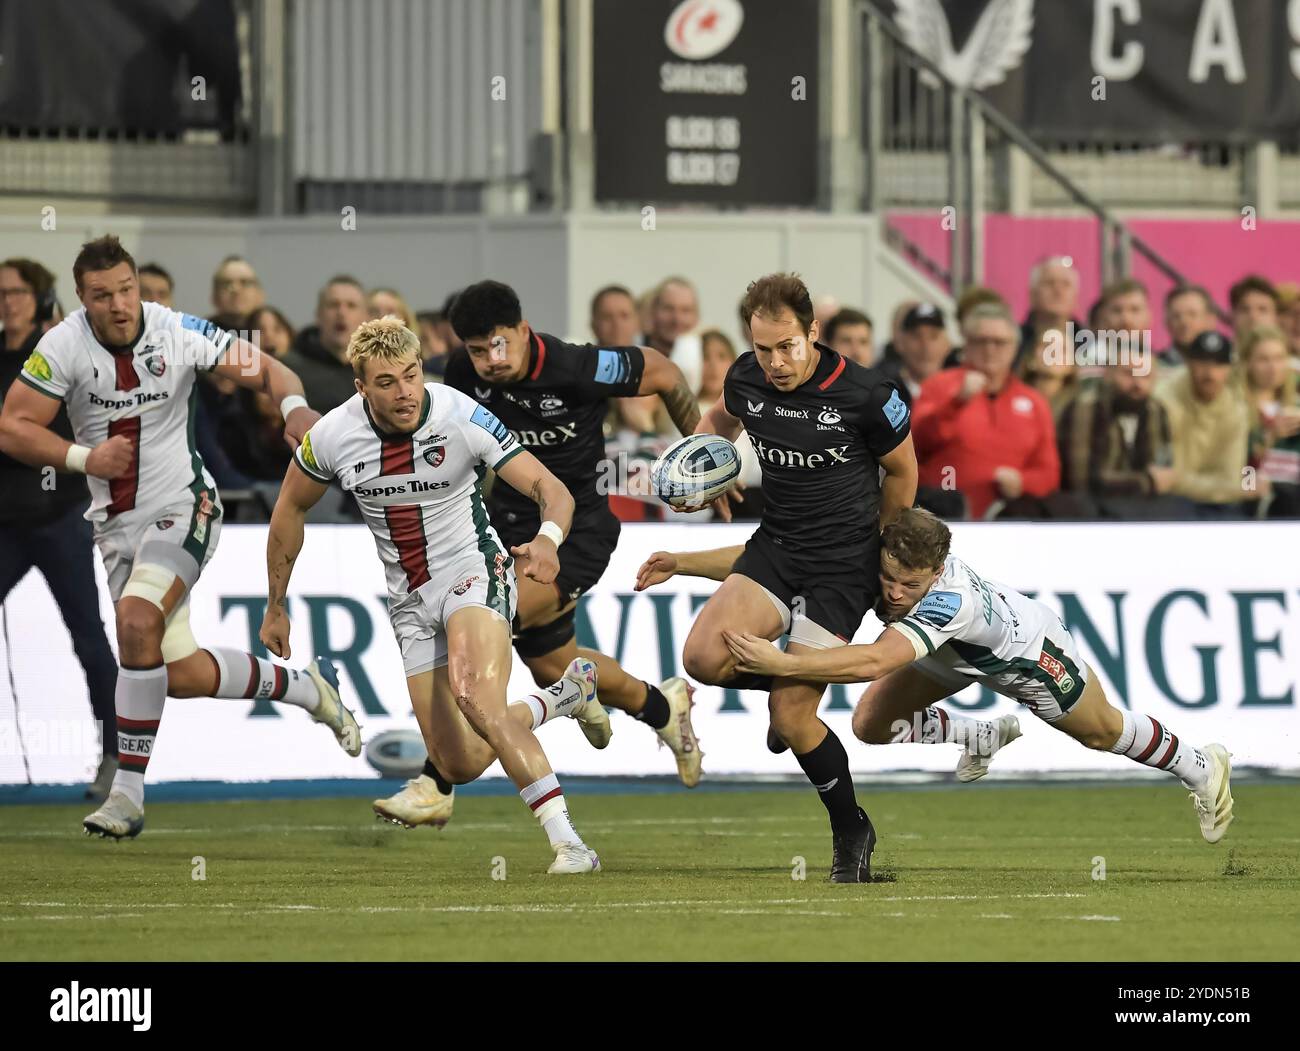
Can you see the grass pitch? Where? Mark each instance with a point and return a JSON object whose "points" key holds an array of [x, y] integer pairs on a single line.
{"points": [[983, 872]]}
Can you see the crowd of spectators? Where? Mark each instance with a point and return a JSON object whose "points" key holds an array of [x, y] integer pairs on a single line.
{"points": [[1049, 416]]}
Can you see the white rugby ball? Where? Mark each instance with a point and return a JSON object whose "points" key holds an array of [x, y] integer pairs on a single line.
{"points": [[695, 469], [397, 753]]}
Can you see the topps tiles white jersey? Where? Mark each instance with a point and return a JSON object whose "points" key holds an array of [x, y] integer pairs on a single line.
{"points": [[420, 493], [145, 392], [988, 632]]}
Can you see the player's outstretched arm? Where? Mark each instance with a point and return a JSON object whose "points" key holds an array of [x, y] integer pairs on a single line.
{"points": [[298, 495], [660, 376], [663, 565], [539, 559], [26, 436], [843, 664], [247, 366]]}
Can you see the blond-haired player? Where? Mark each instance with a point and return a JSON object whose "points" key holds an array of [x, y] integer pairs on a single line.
{"points": [[127, 372], [414, 455]]}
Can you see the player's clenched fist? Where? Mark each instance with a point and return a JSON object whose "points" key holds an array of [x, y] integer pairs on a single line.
{"points": [[655, 570], [111, 458], [538, 559], [275, 631]]}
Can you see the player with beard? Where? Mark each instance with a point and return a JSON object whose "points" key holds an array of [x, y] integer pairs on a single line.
{"points": [[553, 397], [822, 428]]}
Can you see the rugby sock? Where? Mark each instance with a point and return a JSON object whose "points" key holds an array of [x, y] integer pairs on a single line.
{"points": [[827, 767], [141, 694], [655, 712], [444, 786], [560, 698], [934, 725], [1151, 743], [242, 675], [546, 800]]}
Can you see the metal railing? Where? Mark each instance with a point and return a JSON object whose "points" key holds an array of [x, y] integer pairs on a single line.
{"points": [[921, 129]]}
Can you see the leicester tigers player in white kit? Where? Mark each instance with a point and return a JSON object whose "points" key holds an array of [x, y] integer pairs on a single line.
{"points": [[948, 627], [126, 372], [414, 455]]}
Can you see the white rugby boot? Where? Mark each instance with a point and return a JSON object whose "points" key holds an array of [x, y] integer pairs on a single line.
{"points": [[972, 765], [1214, 800], [331, 711], [573, 858], [418, 803], [678, 733], [589, 712], [118, 818]]}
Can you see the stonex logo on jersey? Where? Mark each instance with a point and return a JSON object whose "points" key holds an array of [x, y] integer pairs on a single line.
{"points": [[780, 457]]}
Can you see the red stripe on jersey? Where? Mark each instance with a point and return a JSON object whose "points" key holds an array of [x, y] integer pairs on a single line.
{"points": [[832, 377], [556, 791], [254, 677], [121, 490], [406, 527], [1157, 735], [1173, 747], [541, 357], [127, 377], [398, 456]]}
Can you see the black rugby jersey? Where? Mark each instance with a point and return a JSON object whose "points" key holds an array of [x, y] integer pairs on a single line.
{"points": [[556, 412], [818, 447]]}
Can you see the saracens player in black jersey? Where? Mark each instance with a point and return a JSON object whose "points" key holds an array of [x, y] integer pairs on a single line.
{"points": [[553, 397], [822, 427]]}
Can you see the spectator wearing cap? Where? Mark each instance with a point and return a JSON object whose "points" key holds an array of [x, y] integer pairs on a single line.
{"points": [[1053, 299], [923, 347], [889, 353], [1210, 425], [1269, 385], [156, 285], [1254, 302], [1189, 311], [320, 351], [1116, 447], [979, 428], [849, 333]]}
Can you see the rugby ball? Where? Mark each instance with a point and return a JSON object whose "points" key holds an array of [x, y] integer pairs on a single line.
{"points": [[695, 469], [397, 753]]}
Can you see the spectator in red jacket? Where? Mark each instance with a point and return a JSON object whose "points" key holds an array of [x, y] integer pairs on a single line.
{"points": [[978, 428]]}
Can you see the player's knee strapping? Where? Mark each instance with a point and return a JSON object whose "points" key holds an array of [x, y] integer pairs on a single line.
{"points": [[545, 638]]}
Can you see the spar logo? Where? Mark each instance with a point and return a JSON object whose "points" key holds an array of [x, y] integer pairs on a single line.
{"points": [[699, 29], [1056, 670]]}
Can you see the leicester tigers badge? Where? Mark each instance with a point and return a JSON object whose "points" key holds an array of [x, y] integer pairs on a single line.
{"points": [[156, 365], [434, 457]]}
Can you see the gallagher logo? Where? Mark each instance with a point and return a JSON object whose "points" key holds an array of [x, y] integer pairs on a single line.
{"points": [[699, 29], [434, 457]]}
